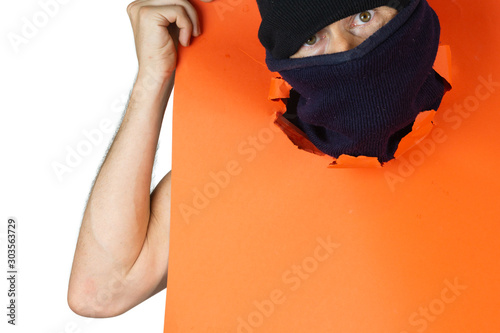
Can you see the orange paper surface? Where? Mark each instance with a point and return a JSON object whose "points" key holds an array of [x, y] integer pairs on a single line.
{"points": [[265, 238]]}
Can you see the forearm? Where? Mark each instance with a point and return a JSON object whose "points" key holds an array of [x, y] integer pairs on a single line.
{"points": [[117, 213], [116, 218]]}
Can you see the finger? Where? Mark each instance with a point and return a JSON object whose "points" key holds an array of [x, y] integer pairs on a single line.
{"points": [[190, 10], [177, 15]]}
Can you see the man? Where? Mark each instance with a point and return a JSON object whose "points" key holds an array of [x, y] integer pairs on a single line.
{"points": [[361, 82], [125, 229]]}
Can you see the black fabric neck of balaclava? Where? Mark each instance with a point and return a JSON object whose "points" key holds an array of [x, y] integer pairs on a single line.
{"points": [[363, 101]]}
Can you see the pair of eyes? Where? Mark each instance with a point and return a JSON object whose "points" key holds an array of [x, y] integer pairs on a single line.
{"points": [[354, 22]]}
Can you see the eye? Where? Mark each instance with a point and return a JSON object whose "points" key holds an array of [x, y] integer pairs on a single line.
{"points": [[312, 40], [314, 45], [363, 18]]}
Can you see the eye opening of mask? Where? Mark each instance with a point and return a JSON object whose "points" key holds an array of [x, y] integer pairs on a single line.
{"points": [[346, 34], [288, 24], [367, 45]]}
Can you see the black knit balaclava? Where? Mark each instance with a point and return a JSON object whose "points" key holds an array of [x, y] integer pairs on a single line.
{"points": [[361, 102]]}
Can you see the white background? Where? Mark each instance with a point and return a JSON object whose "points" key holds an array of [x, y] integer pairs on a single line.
{"points": [[63, 80]]}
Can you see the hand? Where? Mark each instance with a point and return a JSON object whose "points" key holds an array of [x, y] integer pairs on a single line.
{"points": [[158, 26]]}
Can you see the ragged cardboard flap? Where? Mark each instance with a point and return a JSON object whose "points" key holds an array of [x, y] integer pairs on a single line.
{"points": [[264, 238]]}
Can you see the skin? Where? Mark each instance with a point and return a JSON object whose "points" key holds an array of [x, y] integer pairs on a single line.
{"points": [[121, 257], [346, 34]]}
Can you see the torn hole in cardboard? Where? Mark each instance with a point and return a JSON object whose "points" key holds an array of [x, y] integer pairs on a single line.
{"points": [[408, 138]]}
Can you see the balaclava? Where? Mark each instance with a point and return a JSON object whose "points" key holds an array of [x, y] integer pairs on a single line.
{"points": [[365, 100]]}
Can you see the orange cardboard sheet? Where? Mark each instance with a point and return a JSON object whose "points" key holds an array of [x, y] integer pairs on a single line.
{"points": [[264, 238]]}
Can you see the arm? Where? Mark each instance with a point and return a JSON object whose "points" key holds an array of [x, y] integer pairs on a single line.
{"points": [[121, 255]]}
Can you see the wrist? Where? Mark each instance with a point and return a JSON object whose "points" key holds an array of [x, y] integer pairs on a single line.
{"points": [[155, 73], [152, 89]]}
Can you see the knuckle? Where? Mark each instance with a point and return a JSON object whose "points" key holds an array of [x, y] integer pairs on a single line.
{"points": [[179, 10], [130, 7], [144, 11], [183, 10]]}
